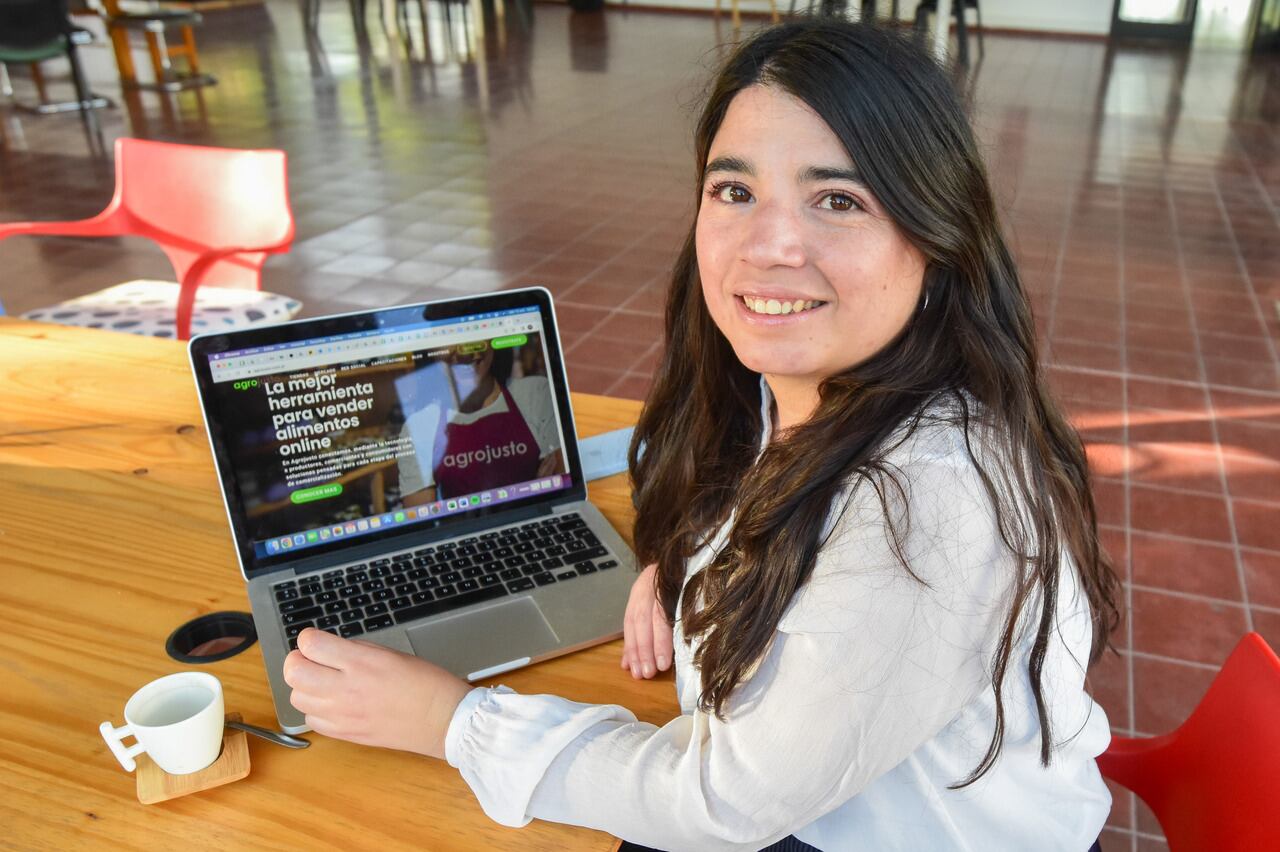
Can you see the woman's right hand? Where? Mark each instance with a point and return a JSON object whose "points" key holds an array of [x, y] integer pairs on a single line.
{"points": [[646, 635]]}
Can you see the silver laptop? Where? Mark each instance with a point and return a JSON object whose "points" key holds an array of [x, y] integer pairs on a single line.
{"points": [[411, 477]]}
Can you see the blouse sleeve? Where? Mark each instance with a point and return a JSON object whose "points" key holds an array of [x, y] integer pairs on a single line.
{"points": [[867, 664]]}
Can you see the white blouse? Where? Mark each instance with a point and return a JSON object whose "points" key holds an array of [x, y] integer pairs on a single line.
{"points": [[874, 697]]}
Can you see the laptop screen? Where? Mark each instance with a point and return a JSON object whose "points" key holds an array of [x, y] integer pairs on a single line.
{"points": [[343, 437]]}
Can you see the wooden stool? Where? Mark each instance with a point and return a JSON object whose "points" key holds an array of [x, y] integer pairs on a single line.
{"points": [[154, 24]]}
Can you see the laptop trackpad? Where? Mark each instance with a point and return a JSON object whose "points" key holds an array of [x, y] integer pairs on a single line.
{"points": [[474, 641]]}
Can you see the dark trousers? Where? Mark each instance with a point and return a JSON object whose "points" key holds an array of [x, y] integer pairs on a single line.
{"points": [[786, 844]]}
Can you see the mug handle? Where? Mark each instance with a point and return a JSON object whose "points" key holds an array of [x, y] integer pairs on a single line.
{"points": [[124, 754]]}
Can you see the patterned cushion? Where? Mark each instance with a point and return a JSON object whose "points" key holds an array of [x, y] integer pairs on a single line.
{"points": [[150, 308]]}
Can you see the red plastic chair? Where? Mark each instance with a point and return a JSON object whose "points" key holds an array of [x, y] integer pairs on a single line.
{"points": [[216, 212], [1214, 783]]}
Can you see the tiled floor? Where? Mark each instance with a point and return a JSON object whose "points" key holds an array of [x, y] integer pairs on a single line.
{"points": [[1140, 185]]}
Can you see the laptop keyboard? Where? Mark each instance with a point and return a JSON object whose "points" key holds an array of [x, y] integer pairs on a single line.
{"points": [[403, 587]]}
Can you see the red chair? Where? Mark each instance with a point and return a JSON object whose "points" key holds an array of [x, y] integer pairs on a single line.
{"points": [[1214, 783], [216, 212]]}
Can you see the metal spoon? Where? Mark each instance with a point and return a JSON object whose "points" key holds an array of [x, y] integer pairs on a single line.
{"points": [[276, 737]]}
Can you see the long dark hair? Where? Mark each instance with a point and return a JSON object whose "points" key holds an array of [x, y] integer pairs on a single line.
{"points": [[898, 117]]}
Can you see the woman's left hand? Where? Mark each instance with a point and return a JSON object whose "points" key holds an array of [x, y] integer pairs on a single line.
{"points": [[372, 695]]}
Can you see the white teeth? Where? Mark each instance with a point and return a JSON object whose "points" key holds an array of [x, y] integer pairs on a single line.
{"points": [[774, 307]]}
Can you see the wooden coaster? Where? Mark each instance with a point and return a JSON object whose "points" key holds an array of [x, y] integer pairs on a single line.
{"points": [[156, 785]]}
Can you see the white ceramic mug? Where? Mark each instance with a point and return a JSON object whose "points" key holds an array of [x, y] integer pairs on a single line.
{"points": [[176, 719]]}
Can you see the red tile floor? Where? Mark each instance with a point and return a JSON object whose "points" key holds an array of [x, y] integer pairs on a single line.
{"points": [[1141, 188]]}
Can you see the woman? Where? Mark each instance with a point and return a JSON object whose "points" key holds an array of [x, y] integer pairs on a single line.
{"points": [[869, 523], [499, 431]]}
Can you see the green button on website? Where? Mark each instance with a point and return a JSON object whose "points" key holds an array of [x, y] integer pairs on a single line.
{"points": [[509, 340], [319, 492]]}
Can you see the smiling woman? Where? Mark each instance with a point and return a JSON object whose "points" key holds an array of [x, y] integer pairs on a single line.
{"points": [[874, 556], [860, 512], [801, 269]]}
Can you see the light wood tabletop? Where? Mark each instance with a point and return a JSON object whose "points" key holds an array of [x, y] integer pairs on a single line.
{"points": [[112, 534]]}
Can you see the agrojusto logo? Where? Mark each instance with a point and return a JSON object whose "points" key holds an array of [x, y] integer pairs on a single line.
{"points": [[485, 455]]}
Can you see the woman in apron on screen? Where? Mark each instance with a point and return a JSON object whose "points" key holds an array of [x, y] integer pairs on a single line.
{"points": [[498, 430]]}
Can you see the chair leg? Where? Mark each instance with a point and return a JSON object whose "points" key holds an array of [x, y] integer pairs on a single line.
{"points": [[159, 55], [402, 21], [77, 79], [982, 48], [773, 8], [186, 304], [124, 57], [86, 99], [189, 49], [187, 287], [37, 77], [962, 32]]}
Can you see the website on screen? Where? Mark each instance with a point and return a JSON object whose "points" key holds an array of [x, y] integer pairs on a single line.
{"points": [[343, 437]]}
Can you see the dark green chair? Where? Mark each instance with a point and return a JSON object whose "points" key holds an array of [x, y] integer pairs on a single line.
{"points": [[32, 31]]}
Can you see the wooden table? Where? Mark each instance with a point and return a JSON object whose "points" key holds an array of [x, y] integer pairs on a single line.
{"points": [[112, 533]]}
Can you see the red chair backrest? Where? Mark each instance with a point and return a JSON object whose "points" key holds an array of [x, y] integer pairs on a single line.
{"points": [[191, 198], [1214, 783]]}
